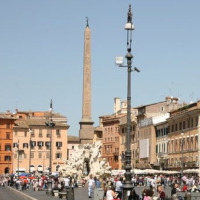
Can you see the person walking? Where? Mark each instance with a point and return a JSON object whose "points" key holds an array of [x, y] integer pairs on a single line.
{"points": [[118, 187], [161, 193], [67, 182], [91, 185]]}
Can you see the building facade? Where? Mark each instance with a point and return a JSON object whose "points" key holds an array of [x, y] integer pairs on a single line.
{"points": [[32, 141], [110, 140], [73, 142], [184, 135], [134, 146], [162, 131], [6, 140]]}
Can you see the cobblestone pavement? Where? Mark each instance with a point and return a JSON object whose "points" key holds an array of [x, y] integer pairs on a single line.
{"points": [[79, 193]]}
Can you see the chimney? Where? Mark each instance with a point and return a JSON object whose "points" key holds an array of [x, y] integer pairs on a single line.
{"points": [[117, 104]]}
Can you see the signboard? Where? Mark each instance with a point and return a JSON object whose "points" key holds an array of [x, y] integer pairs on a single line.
{"points": [[144, 148]]}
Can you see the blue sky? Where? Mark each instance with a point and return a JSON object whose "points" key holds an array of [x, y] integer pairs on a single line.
{"points": [[41, 53]]}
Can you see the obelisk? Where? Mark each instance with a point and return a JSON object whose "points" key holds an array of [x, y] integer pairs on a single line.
{"points": [[86, 131]]}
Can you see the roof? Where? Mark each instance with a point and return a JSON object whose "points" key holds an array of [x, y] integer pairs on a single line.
{"points": [[39, 114], [21, 124], [26, 123], [6, 116], [110, 118], [141, 106], [72, 138]]}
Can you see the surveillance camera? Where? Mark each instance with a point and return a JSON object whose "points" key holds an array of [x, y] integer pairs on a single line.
{"points": [[136, 69]]}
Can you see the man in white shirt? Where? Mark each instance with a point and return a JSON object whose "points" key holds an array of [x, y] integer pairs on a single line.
{"points": [[91, 184], [67, 181]]}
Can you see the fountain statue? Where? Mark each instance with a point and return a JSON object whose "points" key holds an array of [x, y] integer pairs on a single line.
{"points": [[85, 160]]}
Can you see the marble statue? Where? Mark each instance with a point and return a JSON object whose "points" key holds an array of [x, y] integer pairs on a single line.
{"points": [[85, 160]]}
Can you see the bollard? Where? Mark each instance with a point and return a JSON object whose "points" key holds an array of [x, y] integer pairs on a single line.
{"points": [[187, 196], [70, 193], [49, 187]]}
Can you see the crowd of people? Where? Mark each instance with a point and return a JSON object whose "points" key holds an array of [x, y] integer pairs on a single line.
{"points": [[153, 185]]}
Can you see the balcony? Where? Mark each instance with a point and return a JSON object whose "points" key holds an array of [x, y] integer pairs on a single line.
{"points": [[162, 155]]}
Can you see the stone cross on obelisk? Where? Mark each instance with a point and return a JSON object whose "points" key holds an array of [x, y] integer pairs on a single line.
{"points": [[86, 131]]}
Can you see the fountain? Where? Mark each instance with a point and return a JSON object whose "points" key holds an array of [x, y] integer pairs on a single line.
{"points": [[84, 161]]}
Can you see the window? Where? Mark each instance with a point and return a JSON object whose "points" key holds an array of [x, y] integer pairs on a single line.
{"points": [[176, 127], [40, 155], [47, 155], [32, 155], [172, 128], [188, 123], [25, 145], [8, 126], [191, 122], [180, 126], [7, 136], [161, 132], [47, 144], [7, 147], [33, 144], [162, 108], [72, 147], [196, 121], [40, 132], [58, 155], [7, 158], [25, 134], [15, 145], [58, 133], [40, 144], [184, 125], [16, 133], [48, 133], [58, 145]]}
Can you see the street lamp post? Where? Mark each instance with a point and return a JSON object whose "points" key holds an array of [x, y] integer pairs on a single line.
{"points": [[30, 152], [18, 158], [50, 123], [182, 143], [128, 185]]}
